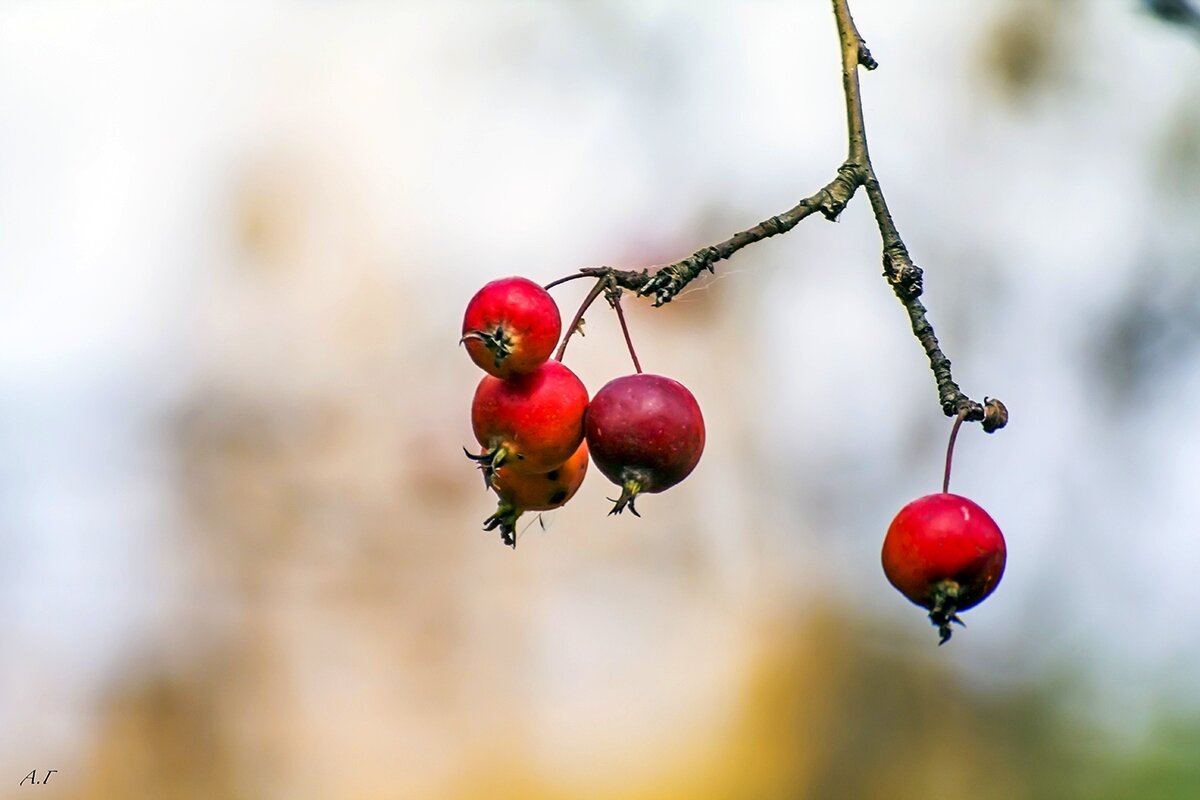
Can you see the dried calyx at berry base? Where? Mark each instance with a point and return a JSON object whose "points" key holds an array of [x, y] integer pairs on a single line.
{"points": [[519, 493]]}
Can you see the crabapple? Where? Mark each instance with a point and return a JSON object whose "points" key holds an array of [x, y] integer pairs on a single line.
{"points": [[511, 326], [531, 422], [519, 492], [645, 433], [944, 553]]}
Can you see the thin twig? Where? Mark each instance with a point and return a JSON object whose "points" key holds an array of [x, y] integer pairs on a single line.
{"points": [[666, 282], [905, 277]]}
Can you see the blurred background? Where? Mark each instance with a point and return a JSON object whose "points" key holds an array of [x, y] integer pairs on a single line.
{"points": [[240, 548]]}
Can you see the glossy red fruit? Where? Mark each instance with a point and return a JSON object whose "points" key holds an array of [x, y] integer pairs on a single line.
{"points": [[511, 326], [645, 433], [530, 423], [519, 493], [944, 553]]}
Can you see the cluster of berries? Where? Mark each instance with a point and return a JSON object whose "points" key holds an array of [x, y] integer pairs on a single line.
{"points": [[537, 430], [536, 427]]}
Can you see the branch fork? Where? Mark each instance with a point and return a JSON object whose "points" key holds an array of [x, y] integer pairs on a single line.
{"points": [[905, 277]]}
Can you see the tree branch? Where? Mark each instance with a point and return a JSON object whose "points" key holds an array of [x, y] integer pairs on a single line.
{"points": [[905, 277], [666, 282]]}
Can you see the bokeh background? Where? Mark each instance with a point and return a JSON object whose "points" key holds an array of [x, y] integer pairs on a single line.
{"points": [[240, 553]]}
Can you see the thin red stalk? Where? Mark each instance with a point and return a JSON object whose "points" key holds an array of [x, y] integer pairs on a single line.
{"points": [[616, 304], [576, 276], [958, 421], [587, 302]]}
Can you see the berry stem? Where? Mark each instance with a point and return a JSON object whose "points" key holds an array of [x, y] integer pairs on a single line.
{"points": [[614, 297], [554, 283], [583, 307], [958, 421]]}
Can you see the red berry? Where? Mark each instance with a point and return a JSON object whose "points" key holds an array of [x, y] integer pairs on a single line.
{"points": [[645, 433], [519, 493], [511, 326], [944, 553], [532, 422]]}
